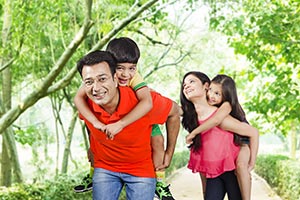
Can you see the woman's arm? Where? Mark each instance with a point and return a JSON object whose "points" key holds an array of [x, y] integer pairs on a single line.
{"points": [[244, 129], [83, 108], [143, 107], [215, 120]]}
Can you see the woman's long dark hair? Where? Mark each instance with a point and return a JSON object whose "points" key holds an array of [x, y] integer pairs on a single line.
{"points": [[229, 94], [189, 116]]}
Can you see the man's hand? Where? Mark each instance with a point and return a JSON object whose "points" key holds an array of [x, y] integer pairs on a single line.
{"points": [[166, 163]]}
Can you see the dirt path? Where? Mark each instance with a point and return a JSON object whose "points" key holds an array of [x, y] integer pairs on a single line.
{"points": [[186, 186]]}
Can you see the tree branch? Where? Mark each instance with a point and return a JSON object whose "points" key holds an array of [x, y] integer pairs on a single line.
{"points": [[8, 118], [123, 24]]}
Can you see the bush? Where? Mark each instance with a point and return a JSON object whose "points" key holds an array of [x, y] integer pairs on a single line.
{"points": [[281, 173], [61, 187]]}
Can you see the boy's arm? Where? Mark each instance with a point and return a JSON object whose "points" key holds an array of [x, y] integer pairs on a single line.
{"points": [[143, 107], [215, 120], [242, 128], [83, 108]]}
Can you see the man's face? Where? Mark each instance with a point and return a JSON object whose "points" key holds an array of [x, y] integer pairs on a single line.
{"points": [[125, 72], [99, 84]]}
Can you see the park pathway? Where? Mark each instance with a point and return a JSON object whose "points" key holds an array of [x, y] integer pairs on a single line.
{"points": [[186, 186]]}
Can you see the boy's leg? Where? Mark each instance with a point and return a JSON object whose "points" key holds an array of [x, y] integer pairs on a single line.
{"points": [[86, 183], [158, 152], [243, 175]]}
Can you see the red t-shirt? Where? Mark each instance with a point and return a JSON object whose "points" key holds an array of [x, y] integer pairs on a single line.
{"points": [[130, 150]]}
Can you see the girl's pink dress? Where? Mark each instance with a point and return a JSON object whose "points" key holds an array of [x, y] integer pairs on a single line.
{"points": [[217, 153]]}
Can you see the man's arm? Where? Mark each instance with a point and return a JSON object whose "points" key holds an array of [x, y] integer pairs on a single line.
{"points": [[172, 128]]}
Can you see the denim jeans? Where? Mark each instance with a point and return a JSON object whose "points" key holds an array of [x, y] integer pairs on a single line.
{"points": [[108, 185]]}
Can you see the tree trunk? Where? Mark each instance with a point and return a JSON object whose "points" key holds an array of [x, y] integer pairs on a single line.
{"points": [[10, 157], [10, 144], [68, 142], [293, 140], [5, 165]]}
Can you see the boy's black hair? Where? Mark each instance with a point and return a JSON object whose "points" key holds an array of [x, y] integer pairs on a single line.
{"points": [[96, 57], [124, 49]]}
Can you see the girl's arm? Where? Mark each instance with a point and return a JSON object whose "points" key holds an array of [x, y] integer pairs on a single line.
{"points": [[215, 120], [242, 128], [83, 108], [143, 107]]}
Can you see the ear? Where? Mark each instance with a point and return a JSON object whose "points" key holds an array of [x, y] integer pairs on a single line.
{"points": [[206, 85], [116, 80]]}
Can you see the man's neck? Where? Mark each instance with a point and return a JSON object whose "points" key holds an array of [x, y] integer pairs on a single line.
{"points": [[112, 106]]}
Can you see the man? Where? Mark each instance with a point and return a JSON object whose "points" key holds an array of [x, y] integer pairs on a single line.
{"points": [[126, 158]]}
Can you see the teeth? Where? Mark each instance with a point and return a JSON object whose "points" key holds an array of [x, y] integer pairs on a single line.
{"points": [[99, 94]]}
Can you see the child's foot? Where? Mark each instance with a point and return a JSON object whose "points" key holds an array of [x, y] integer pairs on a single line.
{"points": [[162, 191], [86, 185]]}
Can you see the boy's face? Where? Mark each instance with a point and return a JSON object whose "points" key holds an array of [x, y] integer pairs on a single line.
{"points": [[214, 94], [125, 72]]}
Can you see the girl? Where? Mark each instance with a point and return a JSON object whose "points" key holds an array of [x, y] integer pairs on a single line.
{"points": [[213, 153], [222, 91]]}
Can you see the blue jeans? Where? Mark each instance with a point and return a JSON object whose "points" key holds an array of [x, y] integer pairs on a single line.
{"points": [[108, 185]]}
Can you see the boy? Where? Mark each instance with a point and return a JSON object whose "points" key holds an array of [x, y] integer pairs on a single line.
{"points": [[127, 55]]}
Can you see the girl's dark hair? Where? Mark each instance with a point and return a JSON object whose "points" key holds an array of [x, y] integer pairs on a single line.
{"points": [[229, 94], [124, 49], [189, 117]]}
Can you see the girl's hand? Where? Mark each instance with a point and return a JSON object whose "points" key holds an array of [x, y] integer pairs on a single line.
{"points": [[189, 138]]}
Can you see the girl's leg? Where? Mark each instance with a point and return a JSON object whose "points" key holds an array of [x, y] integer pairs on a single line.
{"points": [[243, 174], [203, 181]]}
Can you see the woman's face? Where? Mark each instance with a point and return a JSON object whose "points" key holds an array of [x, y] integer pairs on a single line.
{"points": [[193, 87], [214, 94]]}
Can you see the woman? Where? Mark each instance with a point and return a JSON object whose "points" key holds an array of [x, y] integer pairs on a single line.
{"points": [[213, 153]]}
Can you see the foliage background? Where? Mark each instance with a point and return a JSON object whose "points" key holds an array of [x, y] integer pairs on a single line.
{"points": [[255, 42]]}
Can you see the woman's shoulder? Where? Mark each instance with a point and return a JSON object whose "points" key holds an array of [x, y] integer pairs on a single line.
{"points": [[207, 113]]}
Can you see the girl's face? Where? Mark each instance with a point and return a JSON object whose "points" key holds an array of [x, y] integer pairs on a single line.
{"points": [[193, 87], [125, 72], [214, 94]]}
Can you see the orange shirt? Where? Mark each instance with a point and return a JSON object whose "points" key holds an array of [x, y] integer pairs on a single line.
{"points": [[130, 150]]}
